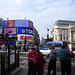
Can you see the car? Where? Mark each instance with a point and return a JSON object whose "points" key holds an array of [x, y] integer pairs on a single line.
{"points": [[45, 51]]}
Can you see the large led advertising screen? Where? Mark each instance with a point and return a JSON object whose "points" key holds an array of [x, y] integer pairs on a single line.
{"points": [[5, 23], [9, 31], [21, 23], [22, 37], [10, 23], [25, 31]]}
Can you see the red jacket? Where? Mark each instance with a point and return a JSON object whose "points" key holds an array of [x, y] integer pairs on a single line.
{"points": [[40, 65], [33, 56]]}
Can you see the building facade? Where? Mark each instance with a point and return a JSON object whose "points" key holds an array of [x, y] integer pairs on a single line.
{"points": [[36, 39], [63, 31], [1, 25]]}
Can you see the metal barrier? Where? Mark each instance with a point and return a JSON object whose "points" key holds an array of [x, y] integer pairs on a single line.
{"points": [[8, 63]]}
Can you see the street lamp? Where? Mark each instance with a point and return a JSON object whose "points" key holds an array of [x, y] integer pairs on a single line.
{"points": [[47, 35]]}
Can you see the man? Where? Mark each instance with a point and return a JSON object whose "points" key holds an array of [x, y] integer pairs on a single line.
{"points": [[65, 59], [3, 47], [52, 62], [32, 62]]}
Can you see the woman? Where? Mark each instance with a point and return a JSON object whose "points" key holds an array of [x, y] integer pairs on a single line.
{"points": [[40, 63]]}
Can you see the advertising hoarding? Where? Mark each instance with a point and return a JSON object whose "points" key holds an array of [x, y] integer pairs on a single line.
{"points": [[9, 31], [22, 37], [10, 23], [10, 42], [21, 23], [25, 31], [5, 23], [30, 24]]}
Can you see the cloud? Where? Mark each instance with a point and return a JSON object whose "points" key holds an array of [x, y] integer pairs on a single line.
{"points": [[43, 13]]}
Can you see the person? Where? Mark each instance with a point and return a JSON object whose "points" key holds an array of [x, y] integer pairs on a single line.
{"points": [[18, 48], [3, 47], [40, 63], [35, 47], [52, 62], [32, 62], [22, 49], [26, 47], [65, 59]]}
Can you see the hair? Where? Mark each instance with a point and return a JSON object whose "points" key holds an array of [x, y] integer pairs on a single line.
{"points": [[53, 45], [63, 46], [33, 48]]}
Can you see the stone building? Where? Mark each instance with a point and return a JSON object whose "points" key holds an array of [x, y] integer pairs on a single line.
{"points": [[63, 30], [36, 39]]}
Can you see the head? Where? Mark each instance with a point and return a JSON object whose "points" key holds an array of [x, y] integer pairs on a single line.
{"points": [[33, 48], [52, 46], [63, 46]]}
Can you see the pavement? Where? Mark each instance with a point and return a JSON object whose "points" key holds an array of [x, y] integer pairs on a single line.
{"points": [[24, 67], [24, 71]]}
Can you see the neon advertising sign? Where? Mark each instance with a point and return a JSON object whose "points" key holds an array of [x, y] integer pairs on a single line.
{"points": [[25, 31], [27, 37]]}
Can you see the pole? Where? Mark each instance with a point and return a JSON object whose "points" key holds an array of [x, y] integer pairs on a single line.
{"points": [[47, 35]]}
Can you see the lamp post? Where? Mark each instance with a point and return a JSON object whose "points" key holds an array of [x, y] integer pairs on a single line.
{"points": [[47, 35]]}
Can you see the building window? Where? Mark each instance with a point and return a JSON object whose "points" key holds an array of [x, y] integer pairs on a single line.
{"points": [[55, 38], [67, 37], [72, 36], [64, 38], [60, 32], [61, 37]]}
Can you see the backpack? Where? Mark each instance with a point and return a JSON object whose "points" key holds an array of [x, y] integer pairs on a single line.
{"points": [[32, 58]]}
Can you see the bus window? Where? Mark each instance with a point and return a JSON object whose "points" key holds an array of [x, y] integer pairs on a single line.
{"points": [[58, 45], [45, 45]]}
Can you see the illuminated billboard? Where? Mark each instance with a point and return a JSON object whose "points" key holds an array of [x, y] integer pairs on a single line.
{"points": [[10, 23], [9, 31], [30, 24], [17, 23], [25, 31], [21, 23], [22, 37], [5, 23]]}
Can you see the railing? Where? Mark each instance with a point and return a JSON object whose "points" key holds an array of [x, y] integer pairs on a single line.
{"points": [[8, 63]]}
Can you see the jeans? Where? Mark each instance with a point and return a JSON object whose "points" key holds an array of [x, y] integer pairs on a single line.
{"points": [[32, 68]]}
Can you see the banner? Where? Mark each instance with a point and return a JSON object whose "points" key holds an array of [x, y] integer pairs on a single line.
{"points": [[22, 37], [21, 23], [10, 23], [11, 42], [9, 31], [25, 31]]}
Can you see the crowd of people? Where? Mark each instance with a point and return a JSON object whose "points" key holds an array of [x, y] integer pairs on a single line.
{"points": [[36, 61]]}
